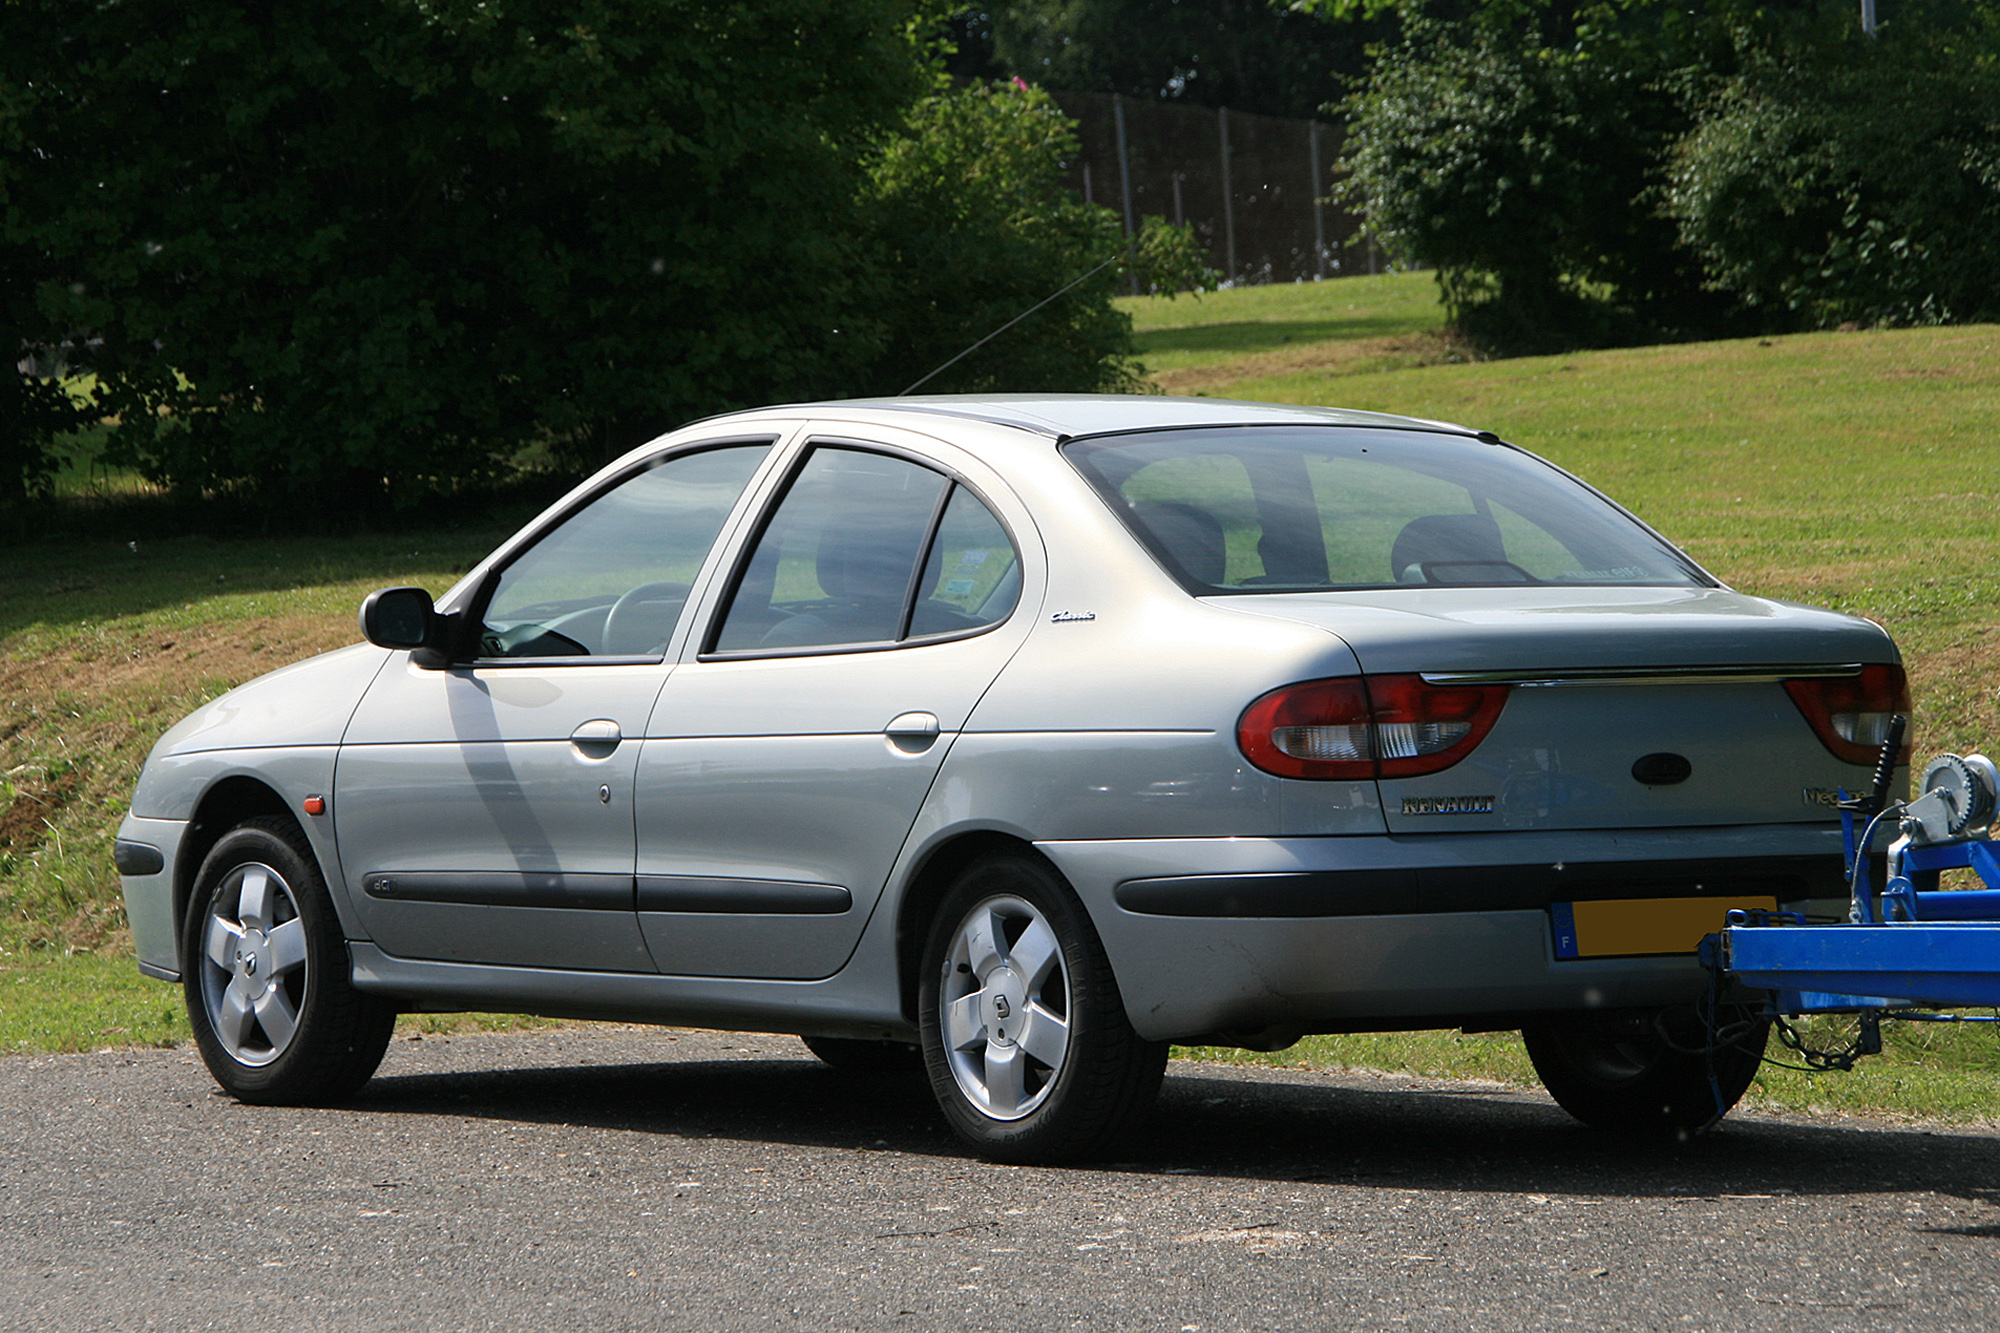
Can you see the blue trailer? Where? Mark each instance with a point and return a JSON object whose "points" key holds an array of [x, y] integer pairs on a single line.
{"points": [[1907, 951]]}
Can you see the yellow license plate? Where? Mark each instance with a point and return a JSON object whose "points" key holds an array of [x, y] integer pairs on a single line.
{"points": [[1625, 927]]}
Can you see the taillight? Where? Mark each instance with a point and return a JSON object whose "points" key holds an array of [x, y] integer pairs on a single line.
{"points": [[1850, 714], [1360, 727]]}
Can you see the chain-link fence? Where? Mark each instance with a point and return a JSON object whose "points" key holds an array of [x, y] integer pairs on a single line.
{"points": [[1253, 187]]}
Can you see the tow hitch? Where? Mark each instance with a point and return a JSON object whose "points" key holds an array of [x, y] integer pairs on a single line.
{"points": [[1905, 953]]}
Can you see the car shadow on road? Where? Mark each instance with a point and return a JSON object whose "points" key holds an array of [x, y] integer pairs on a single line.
{"points": [[1237, 1124]]}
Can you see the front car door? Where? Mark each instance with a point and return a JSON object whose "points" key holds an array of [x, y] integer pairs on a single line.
{"points": [[484, 811]]}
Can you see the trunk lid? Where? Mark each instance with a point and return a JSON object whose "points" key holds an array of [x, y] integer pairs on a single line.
{"points": [[1610, 691]]}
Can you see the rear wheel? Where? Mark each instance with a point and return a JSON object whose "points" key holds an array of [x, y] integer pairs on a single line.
{"points": [[1025, 1035], [1647, 1073], [265, 971]]}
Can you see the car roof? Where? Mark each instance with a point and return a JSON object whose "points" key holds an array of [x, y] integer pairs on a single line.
{"points": [[1067, 416]]}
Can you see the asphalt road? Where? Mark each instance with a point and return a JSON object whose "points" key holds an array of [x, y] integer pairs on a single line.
{"points": [[604, 1179]]}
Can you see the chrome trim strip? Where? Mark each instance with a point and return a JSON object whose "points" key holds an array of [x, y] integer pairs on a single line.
{"points": [[1693, 675]]}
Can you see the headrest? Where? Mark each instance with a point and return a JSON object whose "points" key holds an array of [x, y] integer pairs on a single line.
{"points": [[1192, 536], [1472, 538]]}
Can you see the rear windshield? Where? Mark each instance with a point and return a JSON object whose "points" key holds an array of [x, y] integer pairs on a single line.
{"points": [[1258, 509]]}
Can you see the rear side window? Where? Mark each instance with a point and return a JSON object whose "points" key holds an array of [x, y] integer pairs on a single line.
{"points": [[1301, 510], [868, 549]]}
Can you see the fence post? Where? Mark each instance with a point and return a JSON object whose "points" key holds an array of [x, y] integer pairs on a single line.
{"points": [[1319, 207], [1228, 198], [1125, 185]]}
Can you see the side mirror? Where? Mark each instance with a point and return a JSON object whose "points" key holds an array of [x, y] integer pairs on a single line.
{"points": [[406, 618]]}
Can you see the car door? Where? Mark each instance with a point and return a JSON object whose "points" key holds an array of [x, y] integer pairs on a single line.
{"points": [[484, 810], [789, 753]]}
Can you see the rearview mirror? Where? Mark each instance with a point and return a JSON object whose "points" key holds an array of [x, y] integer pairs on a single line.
{"points": [[405, 618]]}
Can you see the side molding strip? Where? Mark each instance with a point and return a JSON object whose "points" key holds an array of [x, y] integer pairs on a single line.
{"points": [[697, 893], [504, 888]]}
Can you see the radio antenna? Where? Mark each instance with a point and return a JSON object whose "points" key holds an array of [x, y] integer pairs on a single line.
{"points": [[1008, 325]]}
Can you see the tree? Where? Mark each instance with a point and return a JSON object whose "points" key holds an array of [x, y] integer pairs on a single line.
{"points": [[977, 228], [353, 252], [1840, 178], [34, 409], [1523, 174]]}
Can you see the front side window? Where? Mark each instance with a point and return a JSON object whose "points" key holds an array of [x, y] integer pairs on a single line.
{"points": [[867, 548], [613, 578], [1270, 510]]}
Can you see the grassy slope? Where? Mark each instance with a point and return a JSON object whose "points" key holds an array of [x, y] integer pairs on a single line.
{"points": [[1845, 469]]}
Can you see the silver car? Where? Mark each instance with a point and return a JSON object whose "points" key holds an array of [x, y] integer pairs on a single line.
{"points": [[1015, 738]]}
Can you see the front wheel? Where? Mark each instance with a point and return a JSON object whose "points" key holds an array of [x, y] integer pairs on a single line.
{"points": [[265, 970], [1025, 1036], [1649, 1073]]}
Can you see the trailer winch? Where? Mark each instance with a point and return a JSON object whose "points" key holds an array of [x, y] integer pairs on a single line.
{"points": [[1911, 949]]}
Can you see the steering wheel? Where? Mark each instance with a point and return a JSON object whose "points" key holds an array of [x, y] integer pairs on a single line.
{"points": [[635, 617]]}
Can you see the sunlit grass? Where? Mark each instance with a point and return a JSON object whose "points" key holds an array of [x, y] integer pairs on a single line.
{"points": [[1204, 329]]}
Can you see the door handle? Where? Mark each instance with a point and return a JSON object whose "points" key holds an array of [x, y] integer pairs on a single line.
{"points": [[912, 733], [912, 726], [597, 738]]}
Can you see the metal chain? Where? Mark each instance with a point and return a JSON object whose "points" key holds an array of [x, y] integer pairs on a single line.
{"points": [[1867, 1041]]}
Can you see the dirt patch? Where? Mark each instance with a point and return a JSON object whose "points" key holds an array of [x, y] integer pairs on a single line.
{"points": [[26, 821], [170, 661], [1334, 358]]}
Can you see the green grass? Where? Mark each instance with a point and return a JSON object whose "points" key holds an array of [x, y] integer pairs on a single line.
{"points": [[84, 1002], [1853, 470], [1201, 330]]}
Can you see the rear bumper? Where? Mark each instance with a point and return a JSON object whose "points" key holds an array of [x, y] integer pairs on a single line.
{"points": [[1217, 936]]}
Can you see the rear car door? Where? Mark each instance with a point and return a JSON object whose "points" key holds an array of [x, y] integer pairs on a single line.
{"points": [[788, 756]]}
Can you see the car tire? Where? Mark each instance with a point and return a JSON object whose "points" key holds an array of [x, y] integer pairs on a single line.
{"points": [[1646, 1074], [853, 1055], [266, 974], [1025, 1036]]}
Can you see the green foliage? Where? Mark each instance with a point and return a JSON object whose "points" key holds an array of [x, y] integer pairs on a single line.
{"points": [[1522, 174], [1843, 178], [34, 410], [1169, 260], [978, 228], [356, 251]]}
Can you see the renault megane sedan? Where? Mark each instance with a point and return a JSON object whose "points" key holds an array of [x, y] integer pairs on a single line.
{"points": [[1014, 739]]}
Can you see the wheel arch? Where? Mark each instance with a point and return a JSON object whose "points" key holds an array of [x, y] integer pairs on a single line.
{"points": [[926, 888], [221, 808]]}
